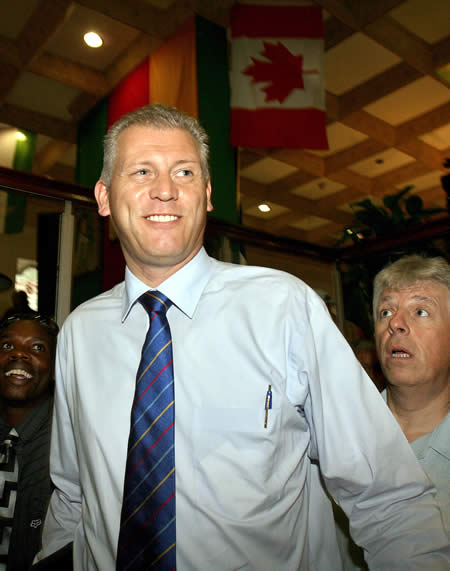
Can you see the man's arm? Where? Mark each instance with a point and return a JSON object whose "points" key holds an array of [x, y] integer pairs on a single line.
{"points": [[64, 512], [367, 463]]}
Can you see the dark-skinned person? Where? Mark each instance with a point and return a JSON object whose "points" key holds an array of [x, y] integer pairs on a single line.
{"points": [[202, 408], [27, 353]]}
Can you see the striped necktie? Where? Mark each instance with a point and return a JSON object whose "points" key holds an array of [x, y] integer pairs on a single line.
{"points": [[147, 532]]}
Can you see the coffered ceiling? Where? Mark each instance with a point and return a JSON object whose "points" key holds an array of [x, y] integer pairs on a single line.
{"points": [[387, 66]]}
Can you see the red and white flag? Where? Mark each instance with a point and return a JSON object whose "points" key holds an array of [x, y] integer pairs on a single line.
{"points": [[277, 92]]}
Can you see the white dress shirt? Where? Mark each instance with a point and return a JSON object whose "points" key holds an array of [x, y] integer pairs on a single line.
{"points": [[249, 497]]}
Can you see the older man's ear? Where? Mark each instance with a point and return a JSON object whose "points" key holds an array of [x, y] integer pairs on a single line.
{"points": [[102, 198]]}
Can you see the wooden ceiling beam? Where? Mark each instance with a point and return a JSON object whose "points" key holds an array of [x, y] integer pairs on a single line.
{"points": [[39, 123], [347, 12], [335, 32], [141, 48], [371, 11], [323, 234], [379, 86], [290, 182], [394, 37], [47, 18], [265, 226], [302, 206], [142, 16], [424, 123], [45, 159], [300, 159], [70, 74], [352, 180], [9, 53], [347, 157], [344, 196], [441, 52], [371, 126], [397, 177], [428, 155]]}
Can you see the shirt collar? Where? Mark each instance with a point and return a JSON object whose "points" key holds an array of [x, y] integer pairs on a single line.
{"points": [[183, 288]]}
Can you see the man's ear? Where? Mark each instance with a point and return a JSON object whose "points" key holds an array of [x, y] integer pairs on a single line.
{"points": [[102, 198], [209, 204]]}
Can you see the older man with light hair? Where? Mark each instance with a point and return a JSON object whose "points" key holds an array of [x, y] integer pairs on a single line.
{"points": [[411, 306]]}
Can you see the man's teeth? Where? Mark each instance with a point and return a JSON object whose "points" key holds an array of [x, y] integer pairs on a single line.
{"points": [[19, 372], [400, 355], [162, 218]]}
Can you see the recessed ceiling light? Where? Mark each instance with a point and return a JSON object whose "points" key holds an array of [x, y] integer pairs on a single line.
{"points": [[264, 207], [21, 136], [93, 40]]}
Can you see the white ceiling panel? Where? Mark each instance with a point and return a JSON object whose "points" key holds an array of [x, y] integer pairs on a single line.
{"points": [[416, 98], [15, 14], [267, 170], [340, 137], [439, 138], [381, 163], [310, 223], [429, 180], [355, 60], [68, 40], [318, 188], [433, 28], [55, 106]]}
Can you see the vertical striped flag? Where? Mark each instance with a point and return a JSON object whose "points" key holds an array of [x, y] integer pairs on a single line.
{"points": [[16, 154], [188, 71], [277, 91]]}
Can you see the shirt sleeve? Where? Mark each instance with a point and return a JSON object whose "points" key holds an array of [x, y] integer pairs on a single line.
{"points": [[64, 512], [365, 460]]}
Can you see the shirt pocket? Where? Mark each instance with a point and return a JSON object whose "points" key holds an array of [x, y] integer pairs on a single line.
{"points": [[235, 460]]}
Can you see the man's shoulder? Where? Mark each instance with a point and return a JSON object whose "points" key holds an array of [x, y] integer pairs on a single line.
{"points": [[441, 438], [108, 303], [111, 298], [256, 276]]}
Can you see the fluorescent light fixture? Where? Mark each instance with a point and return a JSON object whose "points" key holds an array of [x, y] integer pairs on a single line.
{"points": [[93, 40], [264, 207]]}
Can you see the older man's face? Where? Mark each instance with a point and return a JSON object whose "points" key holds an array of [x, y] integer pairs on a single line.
{"points": [[412, 333]]}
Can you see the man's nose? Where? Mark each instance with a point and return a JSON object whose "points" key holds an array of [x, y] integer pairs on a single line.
{"points": [[399, 323], [164, 188], [17, 354]]}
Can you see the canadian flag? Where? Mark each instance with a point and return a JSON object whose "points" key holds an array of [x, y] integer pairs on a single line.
{"points": [[277, 92]]}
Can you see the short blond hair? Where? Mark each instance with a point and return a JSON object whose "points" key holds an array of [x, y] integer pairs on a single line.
{"points": [[408, 271], [157, 116]]}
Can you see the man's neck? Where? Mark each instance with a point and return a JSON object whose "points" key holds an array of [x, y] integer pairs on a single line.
{"points": [[417, 411]]}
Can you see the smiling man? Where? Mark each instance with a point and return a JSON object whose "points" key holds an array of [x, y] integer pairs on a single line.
{"points": [[27, 351], [196, 423], [412, 329]]}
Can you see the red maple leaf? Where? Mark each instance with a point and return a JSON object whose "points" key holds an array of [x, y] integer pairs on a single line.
{"points": [[283, 70]]}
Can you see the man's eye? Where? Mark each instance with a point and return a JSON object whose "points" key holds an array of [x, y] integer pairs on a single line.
{"points": [[142, 171], [422, 312], [385, 313], [39, 347], [6, 345], [184, 172]]}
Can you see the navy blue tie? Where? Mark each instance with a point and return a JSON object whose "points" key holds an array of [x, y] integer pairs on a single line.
{"points": [[147, 531]]}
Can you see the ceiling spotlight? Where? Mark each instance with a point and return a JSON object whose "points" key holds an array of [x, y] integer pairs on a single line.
{"points": [[93, 40], [264, 207], [21, 136]]}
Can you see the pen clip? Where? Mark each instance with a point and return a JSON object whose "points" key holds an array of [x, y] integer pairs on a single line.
{"points": [[267, 405]]}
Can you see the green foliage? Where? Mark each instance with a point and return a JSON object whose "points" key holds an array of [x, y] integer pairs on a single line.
{"points": [[398, 211]]}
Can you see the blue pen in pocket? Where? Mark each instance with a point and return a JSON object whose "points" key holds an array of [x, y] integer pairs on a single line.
{"points": [[267, 405]]}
